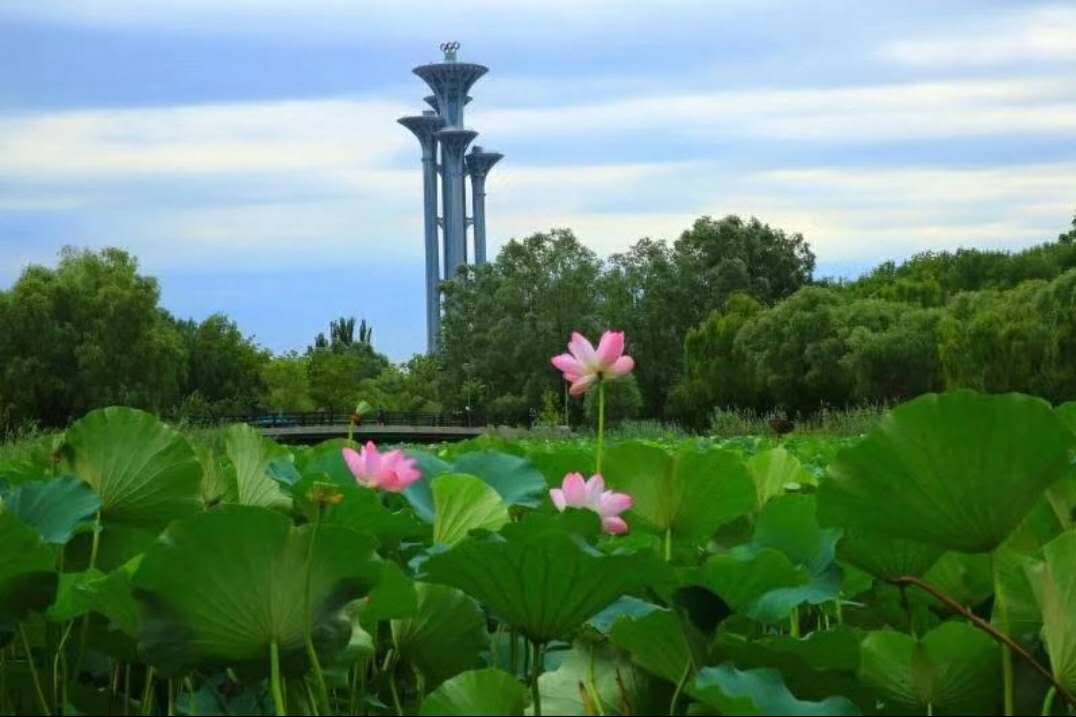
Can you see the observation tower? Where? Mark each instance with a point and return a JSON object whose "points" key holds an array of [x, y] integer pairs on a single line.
{"points": [[444, 140]]}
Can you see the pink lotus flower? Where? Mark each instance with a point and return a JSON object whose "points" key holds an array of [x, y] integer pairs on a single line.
{"points": [[392, 471], [583, 365], [574, 492]]}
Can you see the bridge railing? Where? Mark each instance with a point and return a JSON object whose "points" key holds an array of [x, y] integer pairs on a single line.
{"points": [[289, 419]]}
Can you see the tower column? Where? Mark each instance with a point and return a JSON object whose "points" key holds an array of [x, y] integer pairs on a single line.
{"points": [[425, 127], [453, 146], [478, 165]]}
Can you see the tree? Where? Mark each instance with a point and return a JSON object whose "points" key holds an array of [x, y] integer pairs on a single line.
{"points": [[287, 383], [88, 333], [502, 321], [623, 401], [716, 370], [337, 368], [648, 292], [733, 255], [225, 367]]}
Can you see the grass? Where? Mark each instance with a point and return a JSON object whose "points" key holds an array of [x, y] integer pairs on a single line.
{"points": [[834, 422]]}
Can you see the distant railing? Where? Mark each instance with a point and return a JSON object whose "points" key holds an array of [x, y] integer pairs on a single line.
{"points": [[289, 419]]}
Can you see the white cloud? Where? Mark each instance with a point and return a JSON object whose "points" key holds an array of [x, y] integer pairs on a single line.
{"points": [[431, 20], [323, 181], [203, 139], [1036, 34], [837, 115]]}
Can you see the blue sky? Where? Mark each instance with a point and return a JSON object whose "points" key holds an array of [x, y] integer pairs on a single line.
{"points": [[247, 152]]}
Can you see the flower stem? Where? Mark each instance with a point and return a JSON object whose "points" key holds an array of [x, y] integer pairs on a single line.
{"points": [[33, 670], [601, 427], [315, 664], [1003, 625], [536, 671], [274, 679], [668, 544], [147, 693], [591, 687], [679, 688], [86, 618], [1048, 701]]}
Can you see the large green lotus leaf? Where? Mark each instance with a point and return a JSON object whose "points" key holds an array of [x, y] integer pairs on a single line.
{"points": [[744, 577], [219, 587], [621, 688], [884, 556], [788, 524], [419, 494], [1067, 413], [326, 458], [559, 459], [1054, 583], [758, 692], [144, 471], [773, 469], [968, 578], [28, 579], [446, 636], [538, 575], [249, 456], [625, 606], [778, 604], [691, 494], [478, 692], [958, 470], [463, 503], [1016, 610], [657, 642], [814, 667], [358, 508], [953, 669], [54, 507], [216, 483], [393, 597], [515, 478], [73, 595]]}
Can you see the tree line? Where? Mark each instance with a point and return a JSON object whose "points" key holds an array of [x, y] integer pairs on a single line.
{"points": [[730, 315], [727, 315], [90, 332]]}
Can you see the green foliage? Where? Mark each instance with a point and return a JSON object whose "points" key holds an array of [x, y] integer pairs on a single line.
{"points": [[536, 576], [953, 669], [55, 508], [759, 692], [88, 333], [958, 470], [287, 383], [690, 494], [197, 588], [224, 367], [446, 635], [736, 590], [623, 401], [478, 692], [463, 503], [1054, 583]]}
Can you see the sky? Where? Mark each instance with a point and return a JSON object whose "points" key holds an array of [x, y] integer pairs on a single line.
{"points": [[247, 151]]}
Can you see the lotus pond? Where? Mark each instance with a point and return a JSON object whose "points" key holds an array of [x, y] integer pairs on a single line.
{"points": [[928, 567]]}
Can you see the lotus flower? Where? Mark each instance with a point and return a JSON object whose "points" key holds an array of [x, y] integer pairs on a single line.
{"points": [[392, 471], [583, 365], [574, 492]]}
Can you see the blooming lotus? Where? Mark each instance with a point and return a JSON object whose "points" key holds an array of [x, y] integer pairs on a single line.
{"points": [[392, 471], [584, 365], [574, 492]]}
